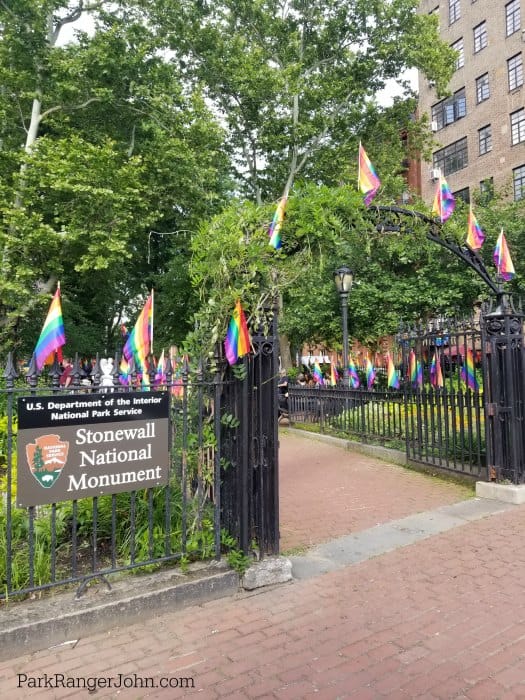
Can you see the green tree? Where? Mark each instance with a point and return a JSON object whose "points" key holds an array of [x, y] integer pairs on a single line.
{"points": [[101, 144], [397, 276], [295, 82], [38, 459]]}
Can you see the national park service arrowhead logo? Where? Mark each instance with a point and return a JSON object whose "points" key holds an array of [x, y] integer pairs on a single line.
{"points": [[46, 457]]}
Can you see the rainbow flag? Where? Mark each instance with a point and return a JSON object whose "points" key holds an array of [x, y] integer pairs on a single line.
{"points": [[419, 375], [436, 375], [52, 337], [160, 375], [277, 222], [140, 340], [334, 375], [370, 373], [502, 258], [475, 235], [392, 374], [412, 367], [367, 180], [468, 374], [444, 201], [237, 341], [318, 375], [124, 376], [353, 377], [144, 379]]}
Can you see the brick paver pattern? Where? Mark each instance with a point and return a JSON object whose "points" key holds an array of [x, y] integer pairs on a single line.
{"points": [[326, 492], [440, 619]]}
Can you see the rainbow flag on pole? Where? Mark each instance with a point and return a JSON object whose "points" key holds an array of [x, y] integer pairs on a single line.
{"points": [[436, 375], [502, 258], [392, 374], [277, 222], [444, 201], [334, 375], [412, 367], [124, 375], [160, 374], [140, 341], [353, 377], [370, 373], [475, 235], [367, 179], [419, 375], [52, 337], [317, 374], [237, 341], [468, 374]]}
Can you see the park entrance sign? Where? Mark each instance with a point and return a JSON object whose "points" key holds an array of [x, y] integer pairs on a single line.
{"points": [[83, 445]]}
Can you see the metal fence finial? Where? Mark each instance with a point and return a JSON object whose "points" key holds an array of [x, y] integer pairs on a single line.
{"points": [[10, 373]]}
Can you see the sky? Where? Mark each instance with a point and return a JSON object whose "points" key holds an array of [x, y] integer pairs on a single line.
{"points": [[384, 97]]}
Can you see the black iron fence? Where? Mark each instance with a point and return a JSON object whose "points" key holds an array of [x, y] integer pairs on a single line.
{"points": [[221, 490], [437, 413]]}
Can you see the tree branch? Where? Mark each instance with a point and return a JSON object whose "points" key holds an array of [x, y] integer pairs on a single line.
{"points": [[59, 107]]}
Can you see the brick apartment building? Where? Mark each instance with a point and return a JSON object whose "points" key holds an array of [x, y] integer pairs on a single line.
{"points": [[480, 127]]}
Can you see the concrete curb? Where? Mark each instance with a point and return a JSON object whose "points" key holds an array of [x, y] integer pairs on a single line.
{"points": [[31, 626], [508, 493], [386, 454]]}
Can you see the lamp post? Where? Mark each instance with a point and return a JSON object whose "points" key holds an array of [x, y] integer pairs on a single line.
{"points": [[344, 278]]}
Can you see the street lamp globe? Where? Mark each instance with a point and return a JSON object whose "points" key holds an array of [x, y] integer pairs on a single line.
{"points": [[344, 278]]}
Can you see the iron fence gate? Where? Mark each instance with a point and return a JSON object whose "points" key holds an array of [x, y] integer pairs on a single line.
{"points": [[222, 486], [436, 416]]}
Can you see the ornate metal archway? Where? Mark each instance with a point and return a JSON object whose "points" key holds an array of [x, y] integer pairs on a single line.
{"points": [[393, 219], [503, 353]]}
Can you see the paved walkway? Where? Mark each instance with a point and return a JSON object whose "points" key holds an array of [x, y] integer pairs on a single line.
{"points": [[443, 617]]}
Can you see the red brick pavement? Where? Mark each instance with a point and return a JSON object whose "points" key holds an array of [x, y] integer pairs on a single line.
{"points": [[326, 492], [443, 618]]}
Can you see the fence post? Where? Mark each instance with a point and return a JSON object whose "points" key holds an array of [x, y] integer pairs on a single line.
{"points": [[503, 364]]}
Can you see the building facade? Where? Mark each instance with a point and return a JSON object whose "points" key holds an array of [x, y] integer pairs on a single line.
{"points": [[479, 129]]}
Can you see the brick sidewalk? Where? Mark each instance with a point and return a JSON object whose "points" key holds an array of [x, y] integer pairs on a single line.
{"points": [[326, 492], [442, 618]]}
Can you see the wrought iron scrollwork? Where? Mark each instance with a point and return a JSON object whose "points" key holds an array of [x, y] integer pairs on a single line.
{"points": [[393, 219]]}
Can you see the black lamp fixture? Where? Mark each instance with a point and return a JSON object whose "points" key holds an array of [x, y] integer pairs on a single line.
{"points": [[344, 278]]}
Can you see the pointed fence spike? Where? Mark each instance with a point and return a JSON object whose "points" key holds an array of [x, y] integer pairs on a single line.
{"points": [[168, 370], [76, 372], [97, 372], [10, 373]]}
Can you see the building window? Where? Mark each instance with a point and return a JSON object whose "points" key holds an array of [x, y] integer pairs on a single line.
{"points": [[452, 158], [485, 139], [462, 194], [515, 71], [517, 126], [450, 110], [512, 17], [486, 190], [518, 176], [454, 11], [460, 59], [480, 37], [482, 88]]}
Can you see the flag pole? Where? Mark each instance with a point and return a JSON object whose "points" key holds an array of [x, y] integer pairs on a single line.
{"points": [[359, 166], [152, 318]]}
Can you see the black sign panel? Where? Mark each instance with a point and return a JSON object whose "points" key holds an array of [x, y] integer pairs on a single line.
{"points": [[83, 445]]}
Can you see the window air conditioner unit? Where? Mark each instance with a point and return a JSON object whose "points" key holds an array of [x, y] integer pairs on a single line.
{"points": [[435, 174], [433, 126]]}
